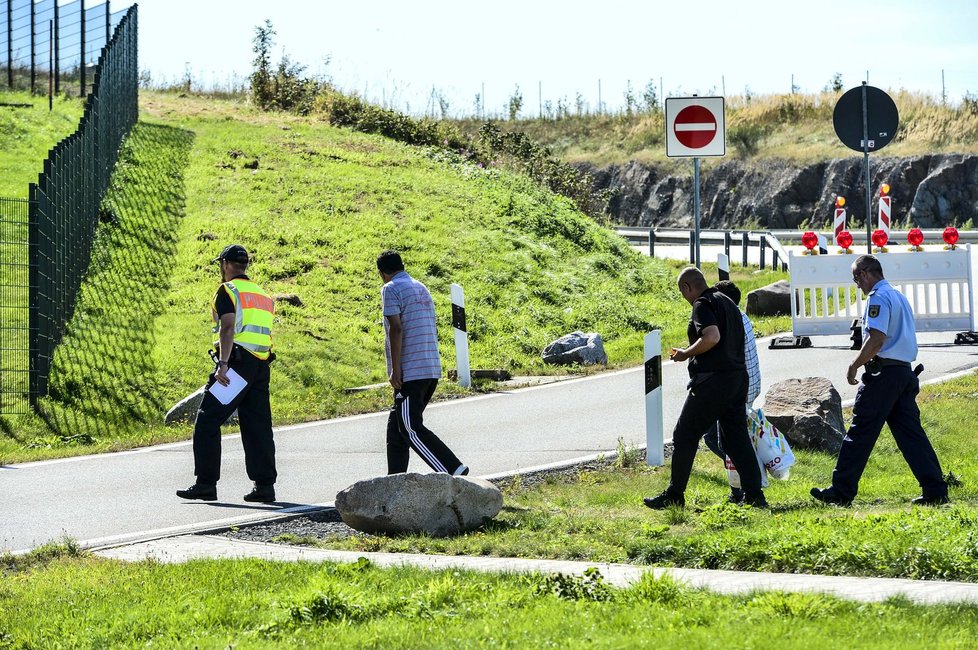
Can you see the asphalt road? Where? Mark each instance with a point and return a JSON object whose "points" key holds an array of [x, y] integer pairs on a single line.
{"points": [[130, 495]]}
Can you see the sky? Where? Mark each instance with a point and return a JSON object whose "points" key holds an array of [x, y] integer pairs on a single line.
{"points": [[396, 53]]}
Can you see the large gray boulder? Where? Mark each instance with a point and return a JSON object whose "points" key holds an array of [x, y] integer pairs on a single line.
{"points": [[435, 504], [576, 347], [772, 300], [808, 411]]}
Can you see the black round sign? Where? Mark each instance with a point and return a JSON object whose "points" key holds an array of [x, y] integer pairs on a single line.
{"points": [[881, 117]]}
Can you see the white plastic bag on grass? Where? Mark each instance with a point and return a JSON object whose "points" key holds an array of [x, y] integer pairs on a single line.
{"points": [[772, 448]]}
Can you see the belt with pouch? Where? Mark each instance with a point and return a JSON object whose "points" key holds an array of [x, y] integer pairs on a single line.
{"points": [[876, 364]]}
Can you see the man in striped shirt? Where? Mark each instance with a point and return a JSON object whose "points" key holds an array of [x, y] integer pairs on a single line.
{"points": [[413, 368]]}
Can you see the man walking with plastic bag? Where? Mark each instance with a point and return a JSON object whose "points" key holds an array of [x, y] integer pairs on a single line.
{"points": [[712, 437], [717, 391]]}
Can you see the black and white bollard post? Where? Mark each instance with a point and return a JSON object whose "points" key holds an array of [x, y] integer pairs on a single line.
{"points": [[654, 450], [723, 266], [461, 337]]}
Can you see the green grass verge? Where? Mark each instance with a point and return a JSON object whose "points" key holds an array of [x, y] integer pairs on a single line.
{"points": [[27, 134], [316, 204], [599, 516], [79, 601]]}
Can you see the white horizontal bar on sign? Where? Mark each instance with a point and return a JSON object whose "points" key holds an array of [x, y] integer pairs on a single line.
{"points": [[693, 126]]}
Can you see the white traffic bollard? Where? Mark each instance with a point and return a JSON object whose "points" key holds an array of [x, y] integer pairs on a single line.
{"points": [[723, 266], [461, 337], [654, 450]]}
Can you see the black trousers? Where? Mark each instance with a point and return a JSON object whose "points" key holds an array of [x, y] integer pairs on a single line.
{"points": [[406, 431], [254, 417], [718, 397], [890, 397]]}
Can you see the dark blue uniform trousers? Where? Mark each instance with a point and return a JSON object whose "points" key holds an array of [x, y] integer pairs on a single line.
{"points": [[254, 416], [889, 397]]}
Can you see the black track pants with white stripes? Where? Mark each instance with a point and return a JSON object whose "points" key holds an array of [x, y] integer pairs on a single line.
{"points": [[406, 431]]}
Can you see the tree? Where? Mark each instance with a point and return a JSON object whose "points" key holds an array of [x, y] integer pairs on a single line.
{"points": [[261, 77], [650, 97], [835, 83], [515, 103], [630, 101]]}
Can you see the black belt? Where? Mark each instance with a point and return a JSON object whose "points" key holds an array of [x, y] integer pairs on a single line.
{"points": [[892, 362]]}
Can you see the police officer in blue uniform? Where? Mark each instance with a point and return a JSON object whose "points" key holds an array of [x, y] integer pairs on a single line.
{"points": [[888, 394]]}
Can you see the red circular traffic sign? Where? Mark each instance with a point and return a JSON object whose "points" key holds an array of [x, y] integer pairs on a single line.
{"points": [[695, 126]]}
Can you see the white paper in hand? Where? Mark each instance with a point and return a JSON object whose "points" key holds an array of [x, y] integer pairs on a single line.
{"points": [[226, 394]]}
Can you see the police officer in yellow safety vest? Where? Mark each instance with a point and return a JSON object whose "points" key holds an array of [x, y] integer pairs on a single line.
{"points": [[243, 313]]}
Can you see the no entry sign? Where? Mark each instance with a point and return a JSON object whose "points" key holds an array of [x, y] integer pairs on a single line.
{"points": [[695, 127]]}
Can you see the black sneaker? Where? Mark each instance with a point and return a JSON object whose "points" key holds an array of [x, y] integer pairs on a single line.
{"points": [[665, 500], [463, 470], [261, 494], [736, 496], [930, 501], [830, 496], [199, 491], [754, 500]]}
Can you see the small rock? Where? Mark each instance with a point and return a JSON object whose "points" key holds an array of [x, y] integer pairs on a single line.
{"points": [[186, 409], [576, 347], [289, 298]]}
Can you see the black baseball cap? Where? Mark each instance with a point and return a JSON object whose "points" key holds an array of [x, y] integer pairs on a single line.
{"points": [[233, 253]]}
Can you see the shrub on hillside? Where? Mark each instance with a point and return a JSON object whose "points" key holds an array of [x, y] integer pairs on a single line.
{"points": [[515, 149], [351, 111]]}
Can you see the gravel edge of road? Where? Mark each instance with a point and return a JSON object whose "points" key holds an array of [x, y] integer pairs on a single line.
{"points": [[326, 523]]}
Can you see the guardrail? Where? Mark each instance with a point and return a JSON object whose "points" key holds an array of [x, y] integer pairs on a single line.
{"points": [[775, 240], [729, 239]]}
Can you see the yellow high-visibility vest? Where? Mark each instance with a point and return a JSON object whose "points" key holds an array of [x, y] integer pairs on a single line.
{"points": [[254, 311]]}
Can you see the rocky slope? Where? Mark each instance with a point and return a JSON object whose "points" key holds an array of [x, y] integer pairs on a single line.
{"points": [[928, 191]]}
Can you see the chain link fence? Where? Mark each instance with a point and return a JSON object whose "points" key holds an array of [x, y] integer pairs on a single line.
{"points": [[49, 45], [14, 306], [46, 241]]}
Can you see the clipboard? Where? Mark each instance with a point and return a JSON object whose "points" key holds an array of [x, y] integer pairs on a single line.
{"points": [[226, 394]]}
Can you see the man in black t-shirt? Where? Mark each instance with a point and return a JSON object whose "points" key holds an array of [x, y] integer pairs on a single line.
{"points": [[717, 391]]}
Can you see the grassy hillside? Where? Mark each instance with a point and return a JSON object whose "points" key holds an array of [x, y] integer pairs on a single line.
{"points": [[316, 204], [793, 127], [27, 134]]}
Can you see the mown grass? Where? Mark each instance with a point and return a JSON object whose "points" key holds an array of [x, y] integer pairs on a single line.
{"points": [[599, 516], [80, 601], [315, 205], [27, 134], [792, 127]]}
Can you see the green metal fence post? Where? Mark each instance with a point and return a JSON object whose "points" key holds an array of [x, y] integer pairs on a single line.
{"points": [[10, 43], [33, 46], [57, 50]]}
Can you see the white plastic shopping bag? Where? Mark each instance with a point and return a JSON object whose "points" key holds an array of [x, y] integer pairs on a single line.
{"points": [[772, 448]]}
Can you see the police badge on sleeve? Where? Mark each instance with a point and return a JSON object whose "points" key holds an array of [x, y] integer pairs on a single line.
{"points": [[874, 311]]}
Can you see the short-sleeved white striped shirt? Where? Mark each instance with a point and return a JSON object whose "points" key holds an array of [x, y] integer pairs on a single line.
{"points": [[406, 297], [750, 359]]}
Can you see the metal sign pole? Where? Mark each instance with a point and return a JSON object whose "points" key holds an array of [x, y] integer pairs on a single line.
{"points": [[869, 222], [696, 209]]}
